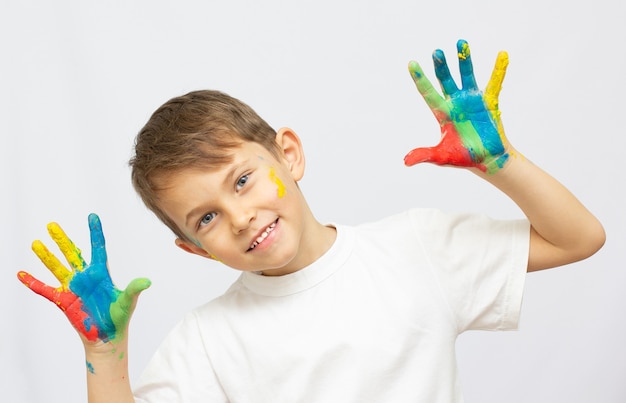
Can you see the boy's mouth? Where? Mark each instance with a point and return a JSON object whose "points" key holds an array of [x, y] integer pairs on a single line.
{"points": [[263, 235]]}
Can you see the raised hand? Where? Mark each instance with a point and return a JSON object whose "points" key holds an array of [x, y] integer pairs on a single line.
{"points": [[96, 308], [471, 130]]}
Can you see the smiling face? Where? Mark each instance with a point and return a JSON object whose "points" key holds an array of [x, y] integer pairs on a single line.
{"points": [[250, 213]]}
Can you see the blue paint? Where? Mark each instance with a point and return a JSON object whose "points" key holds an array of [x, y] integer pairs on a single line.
{"points": [[98, 292], [90, 367], [95, 286]]}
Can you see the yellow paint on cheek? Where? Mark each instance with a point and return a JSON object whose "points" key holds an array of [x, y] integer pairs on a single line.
{"points": [[281, 187], [199, 245]]}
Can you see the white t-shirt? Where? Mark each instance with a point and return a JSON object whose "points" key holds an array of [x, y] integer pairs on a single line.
{"points": [[375, 319]]}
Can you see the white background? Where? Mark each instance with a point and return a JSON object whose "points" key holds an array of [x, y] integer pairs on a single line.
{"points": [[78, 79]]}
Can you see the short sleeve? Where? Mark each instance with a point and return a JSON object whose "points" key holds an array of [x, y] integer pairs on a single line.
{"points": [[180, 370], [480, 266]]}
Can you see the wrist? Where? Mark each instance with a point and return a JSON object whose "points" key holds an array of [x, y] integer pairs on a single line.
{"points": [[494, 163], [104, 350], [107, 373]]}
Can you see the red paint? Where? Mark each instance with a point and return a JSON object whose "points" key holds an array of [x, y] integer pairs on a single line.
{"points": [[449, 151], [67, 301]]}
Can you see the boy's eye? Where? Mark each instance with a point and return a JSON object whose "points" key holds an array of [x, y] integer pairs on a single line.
{"points": [[207, 219], [242, 181]]}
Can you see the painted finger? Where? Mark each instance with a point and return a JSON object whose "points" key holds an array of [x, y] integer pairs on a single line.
{"points": [[137, 286], [422, 154], [449, 151], [131, 293], [52, 263], [492, 92], [70, 251], [434, 101], [98, 249], [39, 287], [122, 309], [465, 66], [68, 302], [443, 74]]}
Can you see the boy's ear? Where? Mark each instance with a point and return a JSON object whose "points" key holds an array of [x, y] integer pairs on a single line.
{"points": [[193, 248], [293, 154]]}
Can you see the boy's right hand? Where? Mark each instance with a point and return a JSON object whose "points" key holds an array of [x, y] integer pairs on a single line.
{"points": [[98, 310]]}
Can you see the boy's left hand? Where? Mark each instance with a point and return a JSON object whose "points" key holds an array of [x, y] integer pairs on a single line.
{"points": [[471, 131]]}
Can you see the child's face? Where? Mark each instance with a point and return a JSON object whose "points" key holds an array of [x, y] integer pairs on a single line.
{"points": [[249, 214]]}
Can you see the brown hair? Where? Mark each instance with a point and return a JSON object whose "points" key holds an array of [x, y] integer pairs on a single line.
{"points": [[193, 131]]}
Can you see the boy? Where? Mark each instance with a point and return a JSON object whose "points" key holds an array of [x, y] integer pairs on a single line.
{"points": [[320, 313]]}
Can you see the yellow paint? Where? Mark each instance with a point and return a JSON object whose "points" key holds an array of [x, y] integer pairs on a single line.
{"points": [[281, 187], [67, 247], [465, 51], [494, 86], [52, 263], [199, 245], [492, 93]]}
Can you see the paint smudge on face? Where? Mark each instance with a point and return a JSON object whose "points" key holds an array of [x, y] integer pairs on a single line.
{"points": [[195, 242], [213, 257], [281, 186], [199, 245]]}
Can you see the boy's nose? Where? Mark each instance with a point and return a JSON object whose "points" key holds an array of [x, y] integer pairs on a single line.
{"points": [[241, 219]]}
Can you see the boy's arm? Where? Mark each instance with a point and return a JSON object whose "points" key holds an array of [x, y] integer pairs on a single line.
{"points": [[98, 310], [107, 373], [562, 229]]}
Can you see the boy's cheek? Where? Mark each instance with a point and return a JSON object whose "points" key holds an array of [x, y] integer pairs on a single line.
{"points": [[281, 190]]}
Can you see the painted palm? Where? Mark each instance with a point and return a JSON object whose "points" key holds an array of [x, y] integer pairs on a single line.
{"points": [[95, 307], [471, 130]]}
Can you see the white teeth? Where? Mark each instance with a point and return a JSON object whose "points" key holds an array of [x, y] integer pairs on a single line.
{"points": [[263, 235]]}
